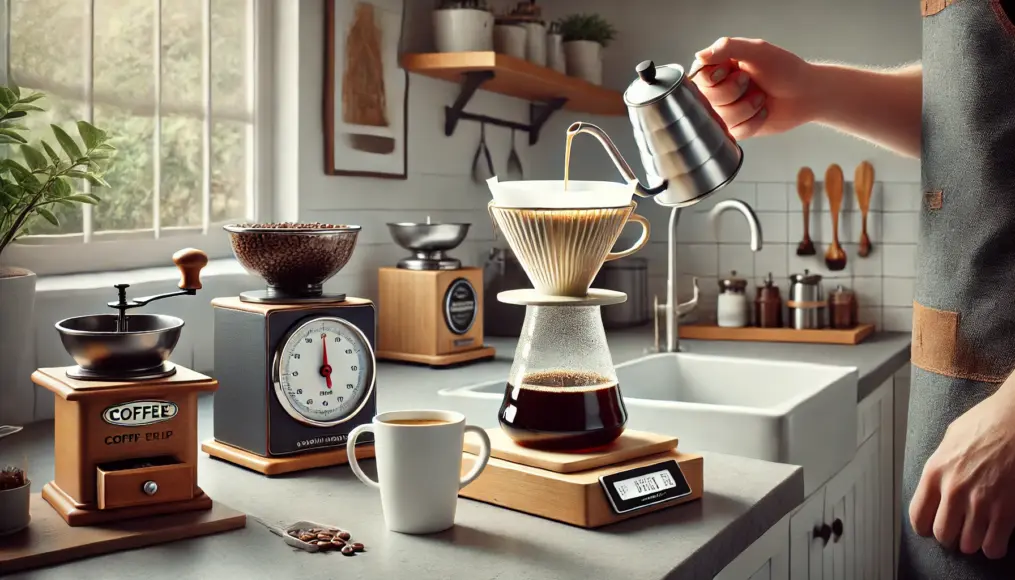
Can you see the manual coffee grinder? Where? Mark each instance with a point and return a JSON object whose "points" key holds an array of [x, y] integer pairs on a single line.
{"points": [[125, 417], [562, 419], [295, 363], [431, 307]]}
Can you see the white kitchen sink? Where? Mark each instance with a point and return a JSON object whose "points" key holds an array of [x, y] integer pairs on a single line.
{"points": [[786, 412]]}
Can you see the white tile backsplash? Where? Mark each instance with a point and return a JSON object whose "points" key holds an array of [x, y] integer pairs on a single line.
{"points": [[883, 281]]}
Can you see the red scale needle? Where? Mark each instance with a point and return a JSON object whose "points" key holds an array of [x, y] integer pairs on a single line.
{"points": [[326, 369]]}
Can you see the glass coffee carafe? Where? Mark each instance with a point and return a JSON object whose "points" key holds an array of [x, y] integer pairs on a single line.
{"points": [[562, 391]]}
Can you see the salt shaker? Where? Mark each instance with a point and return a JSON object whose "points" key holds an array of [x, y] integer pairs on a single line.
{"points": [[732, 310]]}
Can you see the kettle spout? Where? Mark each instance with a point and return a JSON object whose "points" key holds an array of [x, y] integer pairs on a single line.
{"points": [[615, 156]]}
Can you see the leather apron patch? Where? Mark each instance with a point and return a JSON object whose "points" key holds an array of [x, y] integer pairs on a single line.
{"points": [[939, 347], [932, 7]]}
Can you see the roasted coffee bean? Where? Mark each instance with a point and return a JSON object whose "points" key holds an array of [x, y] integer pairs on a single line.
{"points": [[324, 536], [348, 550], [344, 535], [307, 538], [323, 546], [294, 263], [358, 547], [338, 542]]}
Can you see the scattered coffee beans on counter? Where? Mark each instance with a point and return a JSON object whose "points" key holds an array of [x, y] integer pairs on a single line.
{"points": [[329, 539]]}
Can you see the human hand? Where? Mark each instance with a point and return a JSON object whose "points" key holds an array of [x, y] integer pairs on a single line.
{"points": [[965, 493], [756, 88]]}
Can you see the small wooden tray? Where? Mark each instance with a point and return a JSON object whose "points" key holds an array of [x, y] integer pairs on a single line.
{"points": [[49, 540], [823, 336]]}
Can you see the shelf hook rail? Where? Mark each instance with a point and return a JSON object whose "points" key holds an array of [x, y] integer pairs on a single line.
{"points": [[539, 114]]}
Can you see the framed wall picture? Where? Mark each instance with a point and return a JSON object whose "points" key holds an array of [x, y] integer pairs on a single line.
{"points": [[365, 90]]}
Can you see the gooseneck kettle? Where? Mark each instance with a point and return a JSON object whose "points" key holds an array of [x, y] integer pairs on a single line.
{"points": [[686, 149]]}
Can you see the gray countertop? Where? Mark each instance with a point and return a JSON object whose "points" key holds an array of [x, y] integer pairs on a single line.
{"points": [[742, 499]]}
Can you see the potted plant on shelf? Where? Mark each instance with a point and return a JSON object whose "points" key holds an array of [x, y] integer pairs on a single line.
{"points": [[463, 26], [15, 495], [34, 179], [585, 37]]}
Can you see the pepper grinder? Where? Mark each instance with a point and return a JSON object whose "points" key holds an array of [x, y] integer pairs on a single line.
{"points": [[732, 310], [768, 305]]}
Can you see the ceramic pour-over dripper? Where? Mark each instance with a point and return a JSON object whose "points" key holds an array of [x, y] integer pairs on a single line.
{"points": [[562, 237]]}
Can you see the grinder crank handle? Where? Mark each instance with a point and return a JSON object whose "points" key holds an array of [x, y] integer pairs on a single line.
{"points": [[190, 261]]}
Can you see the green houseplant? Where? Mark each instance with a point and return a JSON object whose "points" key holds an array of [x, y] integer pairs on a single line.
{"points": [[36, 175], [585, 37], [463, 26]]}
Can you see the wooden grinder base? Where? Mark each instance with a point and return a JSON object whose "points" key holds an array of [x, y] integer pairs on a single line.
{"points": [[49, 540], [278, 465], [439, 360], [565, 486]]}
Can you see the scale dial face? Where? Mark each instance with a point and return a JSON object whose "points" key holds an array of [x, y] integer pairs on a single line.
{"points": [[324, 372]]}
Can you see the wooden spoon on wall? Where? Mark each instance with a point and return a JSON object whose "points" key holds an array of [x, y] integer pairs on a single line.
{"points": [[835, 257], [863, 182], [805, 189]]}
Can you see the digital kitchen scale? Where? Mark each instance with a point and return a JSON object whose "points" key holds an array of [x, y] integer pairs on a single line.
{"points": [[296, 366]]}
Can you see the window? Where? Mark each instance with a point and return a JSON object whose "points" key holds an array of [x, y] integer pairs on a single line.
{"points": [[176, 85]]}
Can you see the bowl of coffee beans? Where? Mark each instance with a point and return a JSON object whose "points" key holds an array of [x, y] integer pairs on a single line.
{"points": [[295, 259]]}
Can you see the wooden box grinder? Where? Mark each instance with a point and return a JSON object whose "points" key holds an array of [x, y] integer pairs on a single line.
{"points": [[124, 449]]}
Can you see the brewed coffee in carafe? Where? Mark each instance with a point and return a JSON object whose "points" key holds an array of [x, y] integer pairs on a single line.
{"points": [[562, 392]]}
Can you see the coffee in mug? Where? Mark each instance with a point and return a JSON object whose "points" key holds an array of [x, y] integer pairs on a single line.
{"points": [[419, 466]]}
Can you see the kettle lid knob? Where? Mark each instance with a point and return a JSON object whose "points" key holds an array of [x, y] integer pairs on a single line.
{"points": [[646, 71]]}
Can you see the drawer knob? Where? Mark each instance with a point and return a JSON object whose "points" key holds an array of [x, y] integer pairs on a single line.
{"points": [[837, 529], [150, 487], [824, 531]]}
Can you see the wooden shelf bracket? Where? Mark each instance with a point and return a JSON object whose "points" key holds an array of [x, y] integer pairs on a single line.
{"points": [[539, 113]]}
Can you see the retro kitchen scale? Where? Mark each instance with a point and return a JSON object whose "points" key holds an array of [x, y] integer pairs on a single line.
{"points": [[430, 306], [125, 430], [295, 364]]}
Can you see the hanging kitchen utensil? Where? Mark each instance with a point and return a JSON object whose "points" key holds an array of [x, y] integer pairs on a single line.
{"points": [[6, 430], [484, 151], [805, 189], [863, 182], [835, 257], [514, 163]]}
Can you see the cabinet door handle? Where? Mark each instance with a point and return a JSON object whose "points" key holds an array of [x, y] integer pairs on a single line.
{"points": [[837, 529], [824, 531]]}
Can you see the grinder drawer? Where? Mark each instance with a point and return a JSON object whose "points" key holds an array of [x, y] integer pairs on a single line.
{"points": [[134, 482]]}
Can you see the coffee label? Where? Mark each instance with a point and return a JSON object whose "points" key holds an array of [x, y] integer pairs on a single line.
{"points": [[460, 306], [140, 413]]}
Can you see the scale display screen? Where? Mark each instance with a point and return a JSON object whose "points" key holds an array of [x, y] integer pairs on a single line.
{"points": [[645, 486]]}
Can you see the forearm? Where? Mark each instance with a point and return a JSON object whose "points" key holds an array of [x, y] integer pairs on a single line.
{"points": [[881, 106]]}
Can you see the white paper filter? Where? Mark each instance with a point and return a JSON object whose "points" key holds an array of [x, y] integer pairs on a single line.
{"points": [[551, 194]]}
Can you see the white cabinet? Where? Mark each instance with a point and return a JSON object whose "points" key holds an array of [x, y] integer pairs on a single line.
{"points": [[846, 529]]}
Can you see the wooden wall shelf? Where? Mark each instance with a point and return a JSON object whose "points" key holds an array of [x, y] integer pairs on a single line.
{"points": [[818, 336], [547, 89]]}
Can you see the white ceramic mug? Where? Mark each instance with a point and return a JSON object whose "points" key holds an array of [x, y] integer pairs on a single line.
{"points": [[419, 467]]}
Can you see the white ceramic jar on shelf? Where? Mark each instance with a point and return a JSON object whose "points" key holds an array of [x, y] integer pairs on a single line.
{"points": [[510, 39], [733, 309], [463, 30]]}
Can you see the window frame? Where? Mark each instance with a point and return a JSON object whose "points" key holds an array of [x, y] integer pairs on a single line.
{"points": [[123, 250]]}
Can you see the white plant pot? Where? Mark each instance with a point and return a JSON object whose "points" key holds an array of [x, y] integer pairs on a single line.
{"points": [[555, 58], [463, 30], [14, 510], [535, 43], [509, 39], [17, 305], [585, 60]]}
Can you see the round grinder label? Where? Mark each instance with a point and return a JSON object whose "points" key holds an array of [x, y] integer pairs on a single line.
{"points": [[460, 306]]}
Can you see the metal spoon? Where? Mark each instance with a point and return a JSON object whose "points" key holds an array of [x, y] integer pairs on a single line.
{"points": [[514, 163], [477, 169]]}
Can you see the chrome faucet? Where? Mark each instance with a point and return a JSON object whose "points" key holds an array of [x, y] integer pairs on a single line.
{"points": [[673, 310]]}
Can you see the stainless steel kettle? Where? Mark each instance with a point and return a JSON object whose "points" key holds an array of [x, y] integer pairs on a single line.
{"points": [[686, 149]]}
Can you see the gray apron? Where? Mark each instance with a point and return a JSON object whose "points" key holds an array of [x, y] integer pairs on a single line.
{"points": [[964, 309]]}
